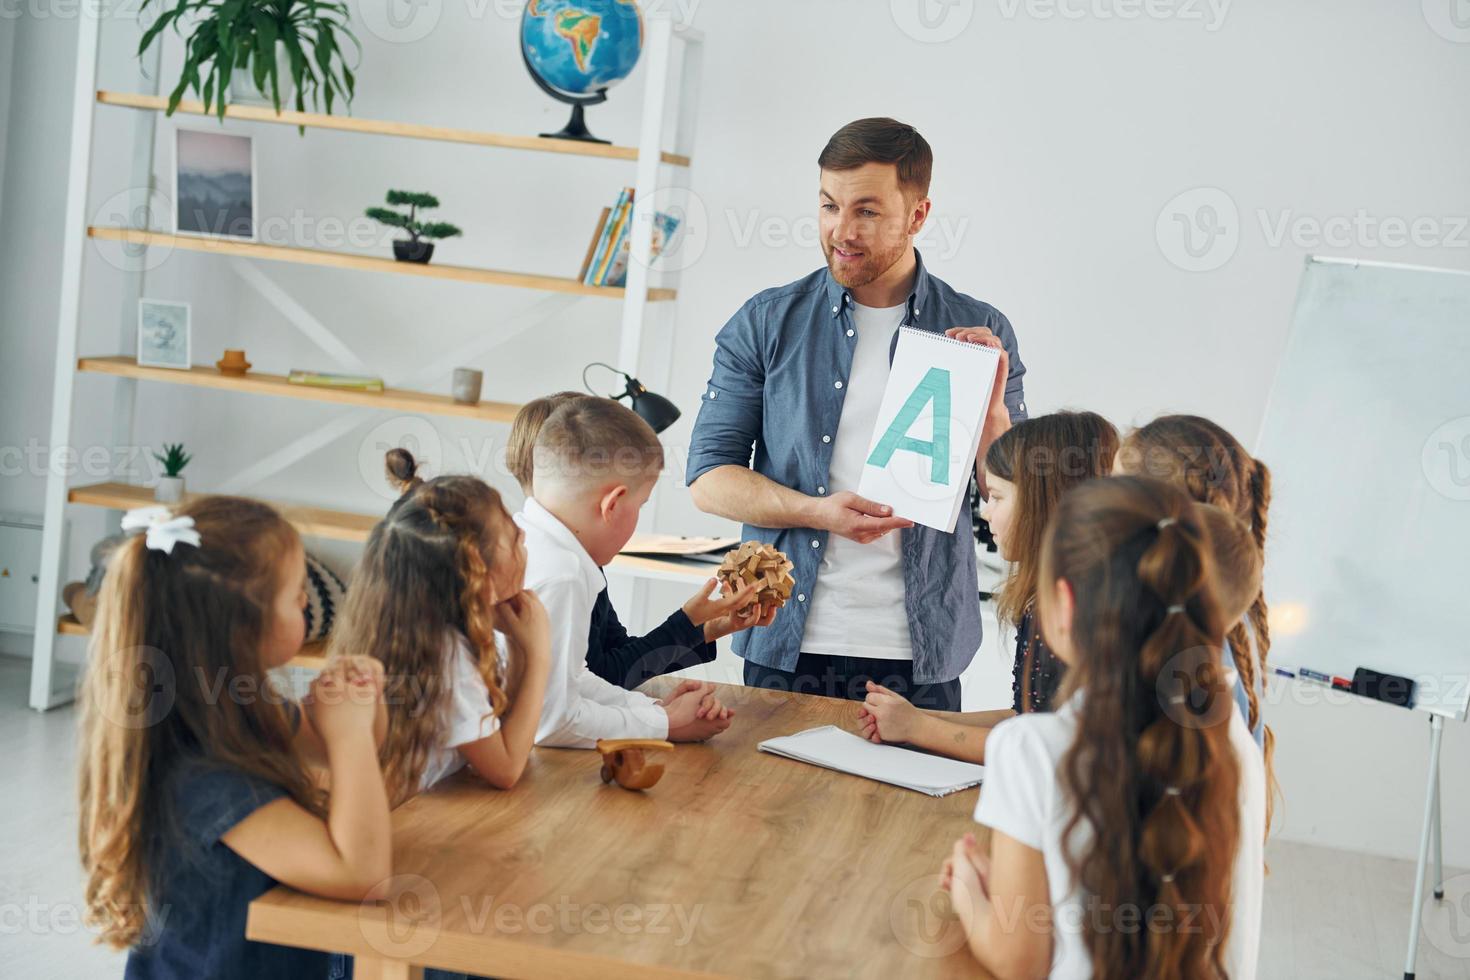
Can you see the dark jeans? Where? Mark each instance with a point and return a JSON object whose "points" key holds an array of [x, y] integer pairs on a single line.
{"points": [[847, 677]]}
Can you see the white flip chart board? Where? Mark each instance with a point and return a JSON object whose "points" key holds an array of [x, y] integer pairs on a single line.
{"points": [[1367, 433]]}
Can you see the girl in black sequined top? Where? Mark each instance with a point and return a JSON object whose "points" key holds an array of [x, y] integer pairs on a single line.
{"points": [[1027, 470]]}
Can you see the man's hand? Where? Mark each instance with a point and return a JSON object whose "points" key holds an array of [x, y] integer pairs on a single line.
{"points": [[984, 337], [857, 518]]}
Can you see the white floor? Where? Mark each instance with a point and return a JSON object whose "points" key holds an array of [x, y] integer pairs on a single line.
{"points": [[1329, 914]]}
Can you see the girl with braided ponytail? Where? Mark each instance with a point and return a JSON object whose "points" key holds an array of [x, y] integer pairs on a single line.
{"points": [[440, 575], [1127, 828], [1211, 465]]}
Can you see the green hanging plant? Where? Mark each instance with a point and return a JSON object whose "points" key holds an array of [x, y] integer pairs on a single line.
{"points": [[229, 36]]}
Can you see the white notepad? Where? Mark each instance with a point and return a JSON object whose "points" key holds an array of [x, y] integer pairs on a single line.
{"points": [[833, 748], [923, 446]]}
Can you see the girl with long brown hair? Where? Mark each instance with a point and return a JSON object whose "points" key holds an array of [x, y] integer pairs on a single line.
{"points": [[1127, 827], [1027, 469], [1211, 465], [440, 575], [196, 796]]}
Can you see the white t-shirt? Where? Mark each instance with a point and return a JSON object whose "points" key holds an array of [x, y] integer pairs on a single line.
{"points": [[857, 606], [470, 715], [1023, 798]]}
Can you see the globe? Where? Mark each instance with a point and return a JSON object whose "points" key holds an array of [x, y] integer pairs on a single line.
{"points": [[577, 49]]}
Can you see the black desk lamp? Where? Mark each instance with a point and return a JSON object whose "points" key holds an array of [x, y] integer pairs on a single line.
{"points": [[656, 410]]}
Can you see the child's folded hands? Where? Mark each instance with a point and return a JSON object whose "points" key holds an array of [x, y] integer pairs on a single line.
{"points": [[343, 698], [695, 714]]}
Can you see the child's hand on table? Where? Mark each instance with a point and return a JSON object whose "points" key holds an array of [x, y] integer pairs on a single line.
{"points": [[695, 714], [887, 717], [966, 876]]}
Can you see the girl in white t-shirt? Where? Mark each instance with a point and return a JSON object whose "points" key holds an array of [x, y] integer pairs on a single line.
{"points": [[1127, 827], [439, 598]]}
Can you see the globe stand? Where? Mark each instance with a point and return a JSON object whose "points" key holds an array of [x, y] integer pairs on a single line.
{"points": [[576, 127]]}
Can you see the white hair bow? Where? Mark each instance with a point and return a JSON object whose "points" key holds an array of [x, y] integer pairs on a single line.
{"points": [[164, 530]]}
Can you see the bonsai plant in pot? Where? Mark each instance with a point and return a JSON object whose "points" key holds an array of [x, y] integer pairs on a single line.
{"points": [[414, 248], [276, 47], [170, 489]]}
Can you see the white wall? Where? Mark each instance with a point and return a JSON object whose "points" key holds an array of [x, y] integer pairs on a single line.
{"points": [[1061, 141]]}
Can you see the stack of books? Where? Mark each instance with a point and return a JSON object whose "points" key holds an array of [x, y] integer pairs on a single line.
{"points": [[606, 263]]}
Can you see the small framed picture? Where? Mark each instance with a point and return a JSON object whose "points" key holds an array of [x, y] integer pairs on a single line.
{"points": [[214, 184], [163, 334]]}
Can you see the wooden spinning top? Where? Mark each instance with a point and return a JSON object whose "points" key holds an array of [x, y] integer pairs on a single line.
{"points": [[757, 563], [623, 760]]}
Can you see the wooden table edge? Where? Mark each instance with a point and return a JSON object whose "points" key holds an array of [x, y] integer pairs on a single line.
{"points": [[269, 920]]}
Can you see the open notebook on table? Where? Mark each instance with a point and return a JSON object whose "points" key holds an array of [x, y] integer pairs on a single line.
{"points": [[833, 748]]}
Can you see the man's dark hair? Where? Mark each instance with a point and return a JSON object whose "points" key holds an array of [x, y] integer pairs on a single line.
{"points": [[882, 140]]}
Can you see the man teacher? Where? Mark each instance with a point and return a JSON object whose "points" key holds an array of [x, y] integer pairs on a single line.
{"points": [[799, 373]]}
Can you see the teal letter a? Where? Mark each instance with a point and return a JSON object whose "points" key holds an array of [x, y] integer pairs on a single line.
{"points": [[934, 387]]}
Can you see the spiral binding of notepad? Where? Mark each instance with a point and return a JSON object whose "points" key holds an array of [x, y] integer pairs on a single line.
{"points": [[927, 335]]}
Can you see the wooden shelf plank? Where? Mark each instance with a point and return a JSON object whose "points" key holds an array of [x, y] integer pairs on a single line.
{"points": [[316, 522], [257, 383], [341, 525], [313, 656], [365, 263], [315, 120]]}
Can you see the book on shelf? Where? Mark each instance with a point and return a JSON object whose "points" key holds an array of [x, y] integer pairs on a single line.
{"points": [[605, 236], [664, 226], [592, 245], [321, 379]]}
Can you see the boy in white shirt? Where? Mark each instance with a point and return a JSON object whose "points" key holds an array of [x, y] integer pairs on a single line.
{"points": [[595, 467]]}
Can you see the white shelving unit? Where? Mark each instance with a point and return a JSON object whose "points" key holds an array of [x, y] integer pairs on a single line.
{"points": [[656, 169]]}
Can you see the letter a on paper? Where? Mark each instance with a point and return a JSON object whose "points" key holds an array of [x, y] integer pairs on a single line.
{"points": [[934, 387]]}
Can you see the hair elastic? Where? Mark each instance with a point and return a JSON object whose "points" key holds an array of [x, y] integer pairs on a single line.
{"points": [[1174, 609], [1165, 522], [1165, 879], [1172, 791]]}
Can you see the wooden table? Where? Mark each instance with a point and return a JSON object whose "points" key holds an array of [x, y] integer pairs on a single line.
{"points": [[738, 863]]}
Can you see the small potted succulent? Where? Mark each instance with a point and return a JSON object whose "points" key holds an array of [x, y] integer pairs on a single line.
{"points": [[416, 247], [170, 489]]}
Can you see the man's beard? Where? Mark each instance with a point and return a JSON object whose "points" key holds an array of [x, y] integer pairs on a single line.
{"points": [[872, 267]]}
